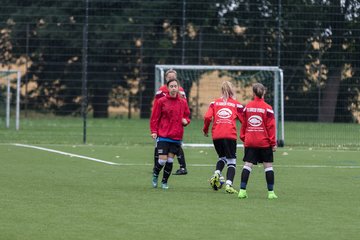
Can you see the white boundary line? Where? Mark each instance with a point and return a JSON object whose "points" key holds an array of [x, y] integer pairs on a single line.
{"points": [[148, 164], [206, 145], [314, 166], [65, 153], [286, 166]]}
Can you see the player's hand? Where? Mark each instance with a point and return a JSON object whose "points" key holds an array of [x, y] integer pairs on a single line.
{"points": [[274, 148], [154, 135], [206, 134], [184, 122]]}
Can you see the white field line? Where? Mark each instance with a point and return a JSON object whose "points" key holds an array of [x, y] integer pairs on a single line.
{"points": [[206, 145], [193, 165], [314, 166], [285, 166], [65, 153]]}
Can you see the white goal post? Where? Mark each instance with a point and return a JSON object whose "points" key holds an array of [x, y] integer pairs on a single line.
{"points": [[202, 85], [7, 76]]}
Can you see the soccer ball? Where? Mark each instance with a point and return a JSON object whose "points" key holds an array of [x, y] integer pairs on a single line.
{"points": [[216, 185], [221, 182]]}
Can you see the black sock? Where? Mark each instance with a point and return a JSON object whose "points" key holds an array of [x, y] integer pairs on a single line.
{"points": [[220, 164], [245, 174], [181, 158], [157, 169], [230, 172], [167, 172], [156, 157], [270, 179]]}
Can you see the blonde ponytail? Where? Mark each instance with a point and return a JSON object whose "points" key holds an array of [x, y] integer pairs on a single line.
{"points": [[227, 90]]}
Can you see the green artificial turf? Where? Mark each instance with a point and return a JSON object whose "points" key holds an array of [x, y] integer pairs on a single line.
{"points": [[47, 195]]}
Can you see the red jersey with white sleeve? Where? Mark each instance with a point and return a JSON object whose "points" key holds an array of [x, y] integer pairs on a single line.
{"points": [[258, 128], [224, 115], [167, 115]]}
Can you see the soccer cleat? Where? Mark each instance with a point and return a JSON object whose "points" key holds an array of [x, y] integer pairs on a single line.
{"points": [[155, 181], [164, 186], [181, 171], [242, 194], [272, 195], [229, 189], [214, 181]]}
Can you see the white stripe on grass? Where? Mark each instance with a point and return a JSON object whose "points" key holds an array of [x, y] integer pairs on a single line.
{"points": [[284, 166], [65, 153], [205, 145], [315, 166], [147, 164]]}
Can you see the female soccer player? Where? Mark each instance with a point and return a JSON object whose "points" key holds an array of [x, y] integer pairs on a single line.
{"points": [[163, 90], [167, 122], [258, 134], [224, 112]]}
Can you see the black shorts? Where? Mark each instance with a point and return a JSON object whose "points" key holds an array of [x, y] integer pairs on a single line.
{"points": [[258, 155], [225, 148], [178, 153], [164, 148]]}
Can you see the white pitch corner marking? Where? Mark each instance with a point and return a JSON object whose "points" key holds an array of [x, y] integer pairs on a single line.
{"points": [[65, 153]]}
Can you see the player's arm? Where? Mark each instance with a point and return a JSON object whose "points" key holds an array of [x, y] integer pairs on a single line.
{"points": [[208, 118], [270, 126], [240, 112], [186, 117], [154, 120], [243, 125]]}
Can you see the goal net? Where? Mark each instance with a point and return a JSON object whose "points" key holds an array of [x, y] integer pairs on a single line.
{"points": [[202, 85], [10, 81]]}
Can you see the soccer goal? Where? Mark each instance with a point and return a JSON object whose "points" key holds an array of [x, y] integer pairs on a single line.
{"points": [[12, 80], [202, 85]]}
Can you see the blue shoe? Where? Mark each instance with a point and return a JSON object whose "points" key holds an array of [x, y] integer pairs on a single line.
{"points": [[155, 181], [164, 186]]}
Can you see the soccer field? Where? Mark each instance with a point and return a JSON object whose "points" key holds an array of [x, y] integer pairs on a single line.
{"points": [[67, 191]]}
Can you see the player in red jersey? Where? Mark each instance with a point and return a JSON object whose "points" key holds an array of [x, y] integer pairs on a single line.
{"points": [[163, 90], [258, 134], [167, 122], [224, 112]]}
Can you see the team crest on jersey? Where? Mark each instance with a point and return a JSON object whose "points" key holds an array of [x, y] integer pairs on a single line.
{"points": [[224, 113], [255, 121]]}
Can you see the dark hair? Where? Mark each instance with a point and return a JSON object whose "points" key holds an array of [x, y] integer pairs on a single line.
{"points": [[259, 89], [172, 80]]}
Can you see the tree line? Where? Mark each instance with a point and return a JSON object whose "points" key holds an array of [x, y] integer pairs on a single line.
{"points": [[316, 43]]}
